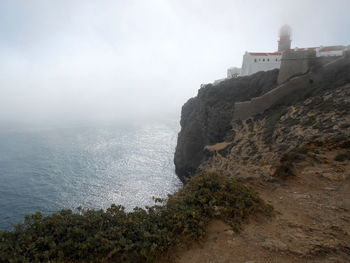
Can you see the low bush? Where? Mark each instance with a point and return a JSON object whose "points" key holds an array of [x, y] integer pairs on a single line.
{"points": [[139, 236]]}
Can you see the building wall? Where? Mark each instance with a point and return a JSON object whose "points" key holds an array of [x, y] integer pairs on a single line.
{"points": [[252, 64], [334, 68]]}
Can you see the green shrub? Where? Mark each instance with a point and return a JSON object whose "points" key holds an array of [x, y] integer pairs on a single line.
{"points": [[139, 236]]}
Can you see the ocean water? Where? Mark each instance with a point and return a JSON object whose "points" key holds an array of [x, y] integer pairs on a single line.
{"points": [[92, 166]]}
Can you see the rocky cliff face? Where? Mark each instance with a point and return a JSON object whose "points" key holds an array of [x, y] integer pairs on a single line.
{"points": [[259, 143], [210, 138], [295, 153], [206, 119]]}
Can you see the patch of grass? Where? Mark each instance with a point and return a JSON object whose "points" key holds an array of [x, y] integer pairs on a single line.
{"points": [[139, 236]]}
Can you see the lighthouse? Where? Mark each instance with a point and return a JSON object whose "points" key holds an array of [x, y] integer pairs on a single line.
{"points": [[263, 61], [284, 43]]}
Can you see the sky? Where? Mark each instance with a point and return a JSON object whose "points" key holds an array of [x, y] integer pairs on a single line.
{"points": [[122, 59]]}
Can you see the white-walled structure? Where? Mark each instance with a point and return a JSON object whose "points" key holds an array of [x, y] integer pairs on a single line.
{"points": [[330, 51], [255, 62]]}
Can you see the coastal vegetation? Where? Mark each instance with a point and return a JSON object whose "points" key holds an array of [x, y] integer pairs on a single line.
{"points": [[114, 235]]}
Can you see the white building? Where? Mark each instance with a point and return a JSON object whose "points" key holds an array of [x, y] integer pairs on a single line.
{"points": [[257, 61], [330, 51], [254, 62]]}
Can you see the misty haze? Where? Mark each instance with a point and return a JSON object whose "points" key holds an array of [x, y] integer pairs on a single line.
{"points": [[84, 60], [99, 105]]}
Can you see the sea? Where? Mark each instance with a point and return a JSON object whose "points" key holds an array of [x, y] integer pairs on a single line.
{"points": [[47, 169]]}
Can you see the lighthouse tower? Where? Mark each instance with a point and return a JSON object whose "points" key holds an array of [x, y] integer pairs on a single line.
{"points": [[284, 42]]}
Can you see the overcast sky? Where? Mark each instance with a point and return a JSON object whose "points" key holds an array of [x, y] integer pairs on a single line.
{"points": [[109, 59]]}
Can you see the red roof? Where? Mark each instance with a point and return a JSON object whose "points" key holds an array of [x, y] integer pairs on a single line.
{"points": [[265, 54]]}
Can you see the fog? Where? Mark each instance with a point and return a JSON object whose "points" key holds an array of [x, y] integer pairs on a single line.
{"points": [[119, 60]]}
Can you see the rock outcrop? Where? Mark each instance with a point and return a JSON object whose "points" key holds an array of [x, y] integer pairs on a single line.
{"points": [[294, 151], [259, 143], [212, 138], [206, 119]]}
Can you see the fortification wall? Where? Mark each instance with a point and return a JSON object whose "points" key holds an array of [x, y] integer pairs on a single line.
{"points": [[295, 63], [296, 79], [322, 61], [247, 109], [295, 74]]}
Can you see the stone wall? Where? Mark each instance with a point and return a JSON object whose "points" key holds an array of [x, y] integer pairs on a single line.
{"points": [[207, 118], [299, 75], [247, 109], [295, 63]]}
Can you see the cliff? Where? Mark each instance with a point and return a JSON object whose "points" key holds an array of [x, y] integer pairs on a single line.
{"points": [[206, 119], [290, 142], [247, 117]]}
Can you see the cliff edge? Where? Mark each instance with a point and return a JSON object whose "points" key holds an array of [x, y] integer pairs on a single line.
{"points": [[256, 115], [206, 119], [290, 141]]}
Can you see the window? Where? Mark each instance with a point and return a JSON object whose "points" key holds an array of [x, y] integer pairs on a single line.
{"points": [[276, 59], [268, 59], [263, 59], [255, 60]]}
